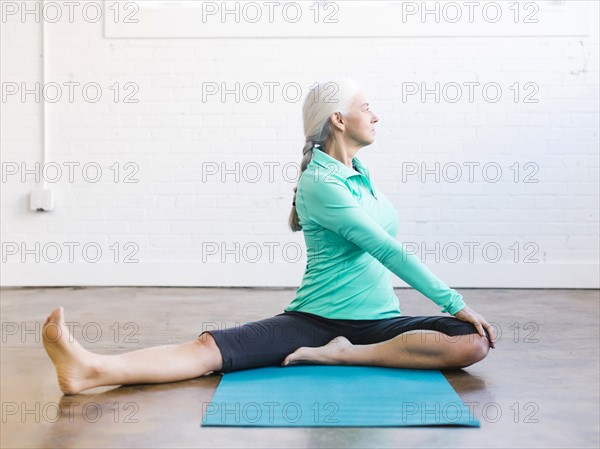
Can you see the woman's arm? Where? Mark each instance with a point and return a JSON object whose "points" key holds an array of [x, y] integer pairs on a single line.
{"points": [[331, 205]]}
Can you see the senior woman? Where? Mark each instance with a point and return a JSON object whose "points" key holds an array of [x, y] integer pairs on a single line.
{"points": [[345, 310]]}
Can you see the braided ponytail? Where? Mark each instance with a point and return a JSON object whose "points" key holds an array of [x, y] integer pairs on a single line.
{"points": [[307, 154]]}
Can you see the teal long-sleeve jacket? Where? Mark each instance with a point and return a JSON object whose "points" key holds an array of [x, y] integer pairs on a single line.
{"points": [[349, 228]]}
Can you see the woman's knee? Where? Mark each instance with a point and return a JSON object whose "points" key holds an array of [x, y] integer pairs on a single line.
{"points": [[474, 348], [206, 342]]}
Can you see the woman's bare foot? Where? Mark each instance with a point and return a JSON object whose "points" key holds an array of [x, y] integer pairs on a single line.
{"points": [[330, 354], [74, 364]]}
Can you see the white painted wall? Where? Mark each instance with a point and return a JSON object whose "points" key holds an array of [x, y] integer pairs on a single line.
{"points": [[547, 231]]}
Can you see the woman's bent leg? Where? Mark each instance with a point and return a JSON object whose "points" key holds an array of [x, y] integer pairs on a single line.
{"points": [[79, 369], [413, 349], [419, 349]]}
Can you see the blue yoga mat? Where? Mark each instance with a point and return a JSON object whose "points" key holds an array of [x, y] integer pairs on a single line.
{"points": [[335, 396]]}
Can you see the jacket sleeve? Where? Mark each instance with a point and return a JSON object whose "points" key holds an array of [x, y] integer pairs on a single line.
{"points": [[330, 204]]}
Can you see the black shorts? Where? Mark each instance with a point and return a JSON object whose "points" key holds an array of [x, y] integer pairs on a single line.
{"points": [[267, 342]]}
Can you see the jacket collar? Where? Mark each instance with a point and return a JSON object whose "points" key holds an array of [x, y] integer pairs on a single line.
{"points": [[339, 169]]}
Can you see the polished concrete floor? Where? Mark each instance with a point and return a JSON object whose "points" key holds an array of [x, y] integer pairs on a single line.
{"points": [[538, 388]]}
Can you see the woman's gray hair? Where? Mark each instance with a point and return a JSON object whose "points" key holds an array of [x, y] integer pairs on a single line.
{"points": [[321, 102]]}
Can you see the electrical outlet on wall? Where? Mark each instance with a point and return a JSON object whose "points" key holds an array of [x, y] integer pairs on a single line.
{"points": [[41, 200]]}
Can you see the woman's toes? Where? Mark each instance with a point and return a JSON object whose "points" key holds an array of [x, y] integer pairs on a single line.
{"points": [[294, 357]]}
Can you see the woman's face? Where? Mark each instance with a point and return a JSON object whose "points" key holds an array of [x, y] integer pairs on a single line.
{"points": [[360, 121]]}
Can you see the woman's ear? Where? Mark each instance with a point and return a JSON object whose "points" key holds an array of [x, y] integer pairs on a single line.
{"points": [[337, 120]]}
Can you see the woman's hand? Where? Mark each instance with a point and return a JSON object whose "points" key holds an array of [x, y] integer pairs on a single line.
{"points": [[469, 315]]}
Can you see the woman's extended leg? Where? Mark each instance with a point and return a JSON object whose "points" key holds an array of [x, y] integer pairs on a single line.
{"points": [[417, 349], [79, 369]]}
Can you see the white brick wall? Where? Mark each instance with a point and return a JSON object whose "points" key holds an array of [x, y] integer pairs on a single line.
{"points": [[547, 231]]}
